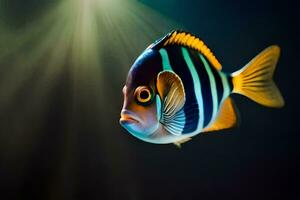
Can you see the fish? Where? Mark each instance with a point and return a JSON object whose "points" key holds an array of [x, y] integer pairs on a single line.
{"points": [[176, 89]]}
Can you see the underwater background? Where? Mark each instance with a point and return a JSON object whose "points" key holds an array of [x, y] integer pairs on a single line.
{"points": [[63, 64]]}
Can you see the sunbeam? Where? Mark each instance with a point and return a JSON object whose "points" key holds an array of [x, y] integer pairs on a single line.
{"points": [[58, 77]]}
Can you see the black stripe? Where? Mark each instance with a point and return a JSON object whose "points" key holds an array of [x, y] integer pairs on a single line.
{"points": [[145, 69], [181, 69], [205, 86], [230, 83]]}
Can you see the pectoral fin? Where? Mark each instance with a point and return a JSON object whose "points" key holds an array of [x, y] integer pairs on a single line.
{"points": [[171, 92]]}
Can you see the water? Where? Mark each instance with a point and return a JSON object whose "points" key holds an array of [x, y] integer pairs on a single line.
{"points": [[62, 68]]}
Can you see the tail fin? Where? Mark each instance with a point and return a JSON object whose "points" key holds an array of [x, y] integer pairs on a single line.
{"points": [[255, 79]]}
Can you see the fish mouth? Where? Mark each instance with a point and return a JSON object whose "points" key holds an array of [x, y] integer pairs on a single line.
{"points": [[128, 117]]}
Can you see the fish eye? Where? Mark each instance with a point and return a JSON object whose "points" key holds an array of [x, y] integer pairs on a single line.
{"points": [[143, 94]]}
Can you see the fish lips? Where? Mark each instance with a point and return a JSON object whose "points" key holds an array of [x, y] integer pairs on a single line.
{"points": [[128, 117]]}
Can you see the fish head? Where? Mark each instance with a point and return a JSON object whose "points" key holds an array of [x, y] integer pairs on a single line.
{"points": [[139, 112], [141, 107]]}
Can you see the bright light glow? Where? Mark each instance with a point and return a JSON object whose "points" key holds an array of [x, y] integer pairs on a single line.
{"points": [[81, 47], [81, 33]]}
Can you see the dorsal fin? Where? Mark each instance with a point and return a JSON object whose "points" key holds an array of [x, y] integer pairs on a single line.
{"points": [[189, 40]]}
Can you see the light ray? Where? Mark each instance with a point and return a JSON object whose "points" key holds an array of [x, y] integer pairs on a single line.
{"points": [[84, 47]]}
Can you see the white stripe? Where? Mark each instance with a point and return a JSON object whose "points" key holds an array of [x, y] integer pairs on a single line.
{"points": [[213, 88], [226, 89], [165, 60], [197, 87]]}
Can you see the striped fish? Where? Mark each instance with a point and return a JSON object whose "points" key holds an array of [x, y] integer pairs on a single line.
{"points": [[176, 90]]}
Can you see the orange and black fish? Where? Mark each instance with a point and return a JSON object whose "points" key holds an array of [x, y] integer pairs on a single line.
{"points": [[176, 89]]}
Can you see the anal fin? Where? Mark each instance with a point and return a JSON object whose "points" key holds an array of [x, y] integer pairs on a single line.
{"points": [[227, 117], [178, 144]]}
